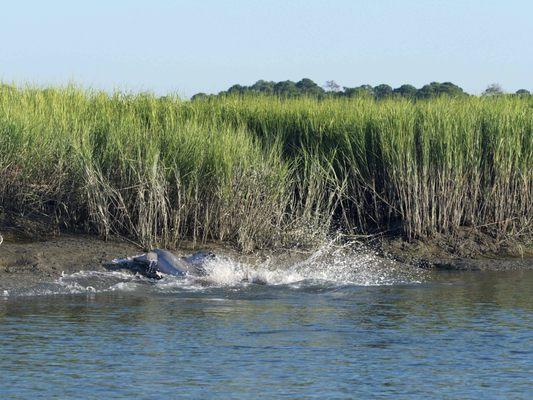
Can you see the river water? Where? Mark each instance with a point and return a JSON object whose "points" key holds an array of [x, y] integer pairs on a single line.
{"points": [[333, 326]]}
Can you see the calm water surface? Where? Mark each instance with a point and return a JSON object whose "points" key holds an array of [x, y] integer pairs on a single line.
{"points": [[442, 335]]}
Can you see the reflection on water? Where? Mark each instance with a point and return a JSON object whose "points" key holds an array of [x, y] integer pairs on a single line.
{"points": [[459, 335]]}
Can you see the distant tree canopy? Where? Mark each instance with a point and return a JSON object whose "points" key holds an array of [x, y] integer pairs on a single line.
{"points": [[286, 88], [306, 87], [200, 96], [359, 91], [263, 87], [435, 89], [493, 89], [408, 91]]}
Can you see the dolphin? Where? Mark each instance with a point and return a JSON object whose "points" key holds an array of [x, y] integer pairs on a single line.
{"points": [[158, 262]]}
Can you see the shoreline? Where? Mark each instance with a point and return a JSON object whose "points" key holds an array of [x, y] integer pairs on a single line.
{"points": [[466, 251], [27, 261]]}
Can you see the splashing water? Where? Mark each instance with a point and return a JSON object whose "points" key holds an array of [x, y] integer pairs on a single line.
{"points": [[329, 266], [83, 282]]}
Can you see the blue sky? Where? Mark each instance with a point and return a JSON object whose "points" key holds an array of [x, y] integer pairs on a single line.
{"points": [[206, 45]]}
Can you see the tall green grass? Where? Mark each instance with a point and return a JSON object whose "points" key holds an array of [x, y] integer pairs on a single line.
{"points": [[264, 172]]}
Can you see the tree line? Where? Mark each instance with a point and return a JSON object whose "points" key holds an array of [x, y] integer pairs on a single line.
{"points": [[306, 87]]}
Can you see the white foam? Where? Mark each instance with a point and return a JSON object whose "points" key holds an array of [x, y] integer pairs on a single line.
{"points": [[124, 286], [330, 265]]}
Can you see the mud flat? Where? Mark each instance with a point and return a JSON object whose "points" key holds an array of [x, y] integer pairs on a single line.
{"points": [[27, 261], [466, 251]]}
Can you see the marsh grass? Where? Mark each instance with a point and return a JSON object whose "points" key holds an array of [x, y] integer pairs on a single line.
{"points": [[265, 172]]}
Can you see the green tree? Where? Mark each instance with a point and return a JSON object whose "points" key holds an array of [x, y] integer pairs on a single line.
{"points": [[436, 89], [450, 89], [359, 91], [428, 91], [407, 91], [199, 96], [237, 89], [523, 92], [382, 91], [262, 86], [309, 88], [286, 89]]}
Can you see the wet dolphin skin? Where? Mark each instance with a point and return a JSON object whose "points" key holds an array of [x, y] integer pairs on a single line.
{"points": [[159, 262]]}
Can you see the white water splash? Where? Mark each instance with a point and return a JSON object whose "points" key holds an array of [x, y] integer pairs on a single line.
{"points": [[99, 281], [84, 282], [331, 265]]}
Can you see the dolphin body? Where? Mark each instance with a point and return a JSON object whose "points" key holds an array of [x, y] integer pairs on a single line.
{"points": [[158, 262]]}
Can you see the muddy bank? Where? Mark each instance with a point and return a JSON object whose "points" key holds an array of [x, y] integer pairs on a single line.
{"points": [[467, 250], [29, 260], [26, 261]]}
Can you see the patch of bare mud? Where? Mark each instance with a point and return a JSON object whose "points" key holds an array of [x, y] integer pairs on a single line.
{"points": [[24, 262]]}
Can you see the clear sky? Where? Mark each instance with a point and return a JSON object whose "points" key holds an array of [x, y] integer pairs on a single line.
{"points": [[206, 45]]}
